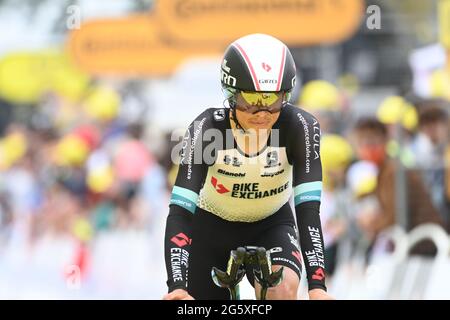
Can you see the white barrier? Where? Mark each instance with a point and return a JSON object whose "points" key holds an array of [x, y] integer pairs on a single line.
{"points": [[397, 274], [384, 266], [357, 279], [417, 271], [436, 284]]}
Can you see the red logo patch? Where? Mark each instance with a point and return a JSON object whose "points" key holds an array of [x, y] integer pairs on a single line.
{"points": [[181, 240], [220, 188], [319, 274], [297, 255], [266, 67]]}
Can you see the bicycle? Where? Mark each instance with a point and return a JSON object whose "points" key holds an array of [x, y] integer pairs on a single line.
{"points": [[239, 258]]}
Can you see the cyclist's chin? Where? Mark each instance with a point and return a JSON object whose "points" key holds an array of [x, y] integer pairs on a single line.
{"points": [[260, 124]]}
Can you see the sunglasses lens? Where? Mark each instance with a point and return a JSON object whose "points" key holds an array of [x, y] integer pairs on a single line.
{"points": [[260, 98]]}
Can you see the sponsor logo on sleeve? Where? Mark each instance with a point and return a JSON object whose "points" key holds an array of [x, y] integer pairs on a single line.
{"points": [[178, 260], [315, 257], [319, 274], [187, 159], [315, 140], [181, 240]]}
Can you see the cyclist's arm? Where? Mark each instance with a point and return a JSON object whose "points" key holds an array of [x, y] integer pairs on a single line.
{"points": [[178, 294], [307, 183], [178, 237]]}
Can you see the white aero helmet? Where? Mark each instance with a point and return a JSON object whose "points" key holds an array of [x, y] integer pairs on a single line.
{"points": [[257, 63]]}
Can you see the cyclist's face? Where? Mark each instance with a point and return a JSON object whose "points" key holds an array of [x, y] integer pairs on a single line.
{"points": [[258, 110]]}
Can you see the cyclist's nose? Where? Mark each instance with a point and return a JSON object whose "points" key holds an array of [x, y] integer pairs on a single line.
{"points": [[262, 112]]}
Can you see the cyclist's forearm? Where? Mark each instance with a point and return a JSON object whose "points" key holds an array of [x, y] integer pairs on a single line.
{"points": [[177, 245], [311, 241]]}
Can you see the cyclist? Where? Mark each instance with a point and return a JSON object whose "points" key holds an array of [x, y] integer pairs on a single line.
{"points": [[239, 165]]}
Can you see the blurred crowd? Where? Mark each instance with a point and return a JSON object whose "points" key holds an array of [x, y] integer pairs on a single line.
{"points": [[381, 169], [70, 171], [77, 171]]}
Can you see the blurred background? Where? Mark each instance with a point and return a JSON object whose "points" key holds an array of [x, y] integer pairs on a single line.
{"points": [[95, 94]]}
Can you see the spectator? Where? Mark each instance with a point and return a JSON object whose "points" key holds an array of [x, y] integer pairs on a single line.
{"points": [[429, 147], [370, 141]]}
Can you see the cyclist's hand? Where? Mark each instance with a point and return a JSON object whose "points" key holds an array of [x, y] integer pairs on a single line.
{"points": [[178, 294], [319, 294]]}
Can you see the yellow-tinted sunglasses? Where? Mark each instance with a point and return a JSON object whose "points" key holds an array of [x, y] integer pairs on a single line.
{"points": [[257, 101], [263, 99]]}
